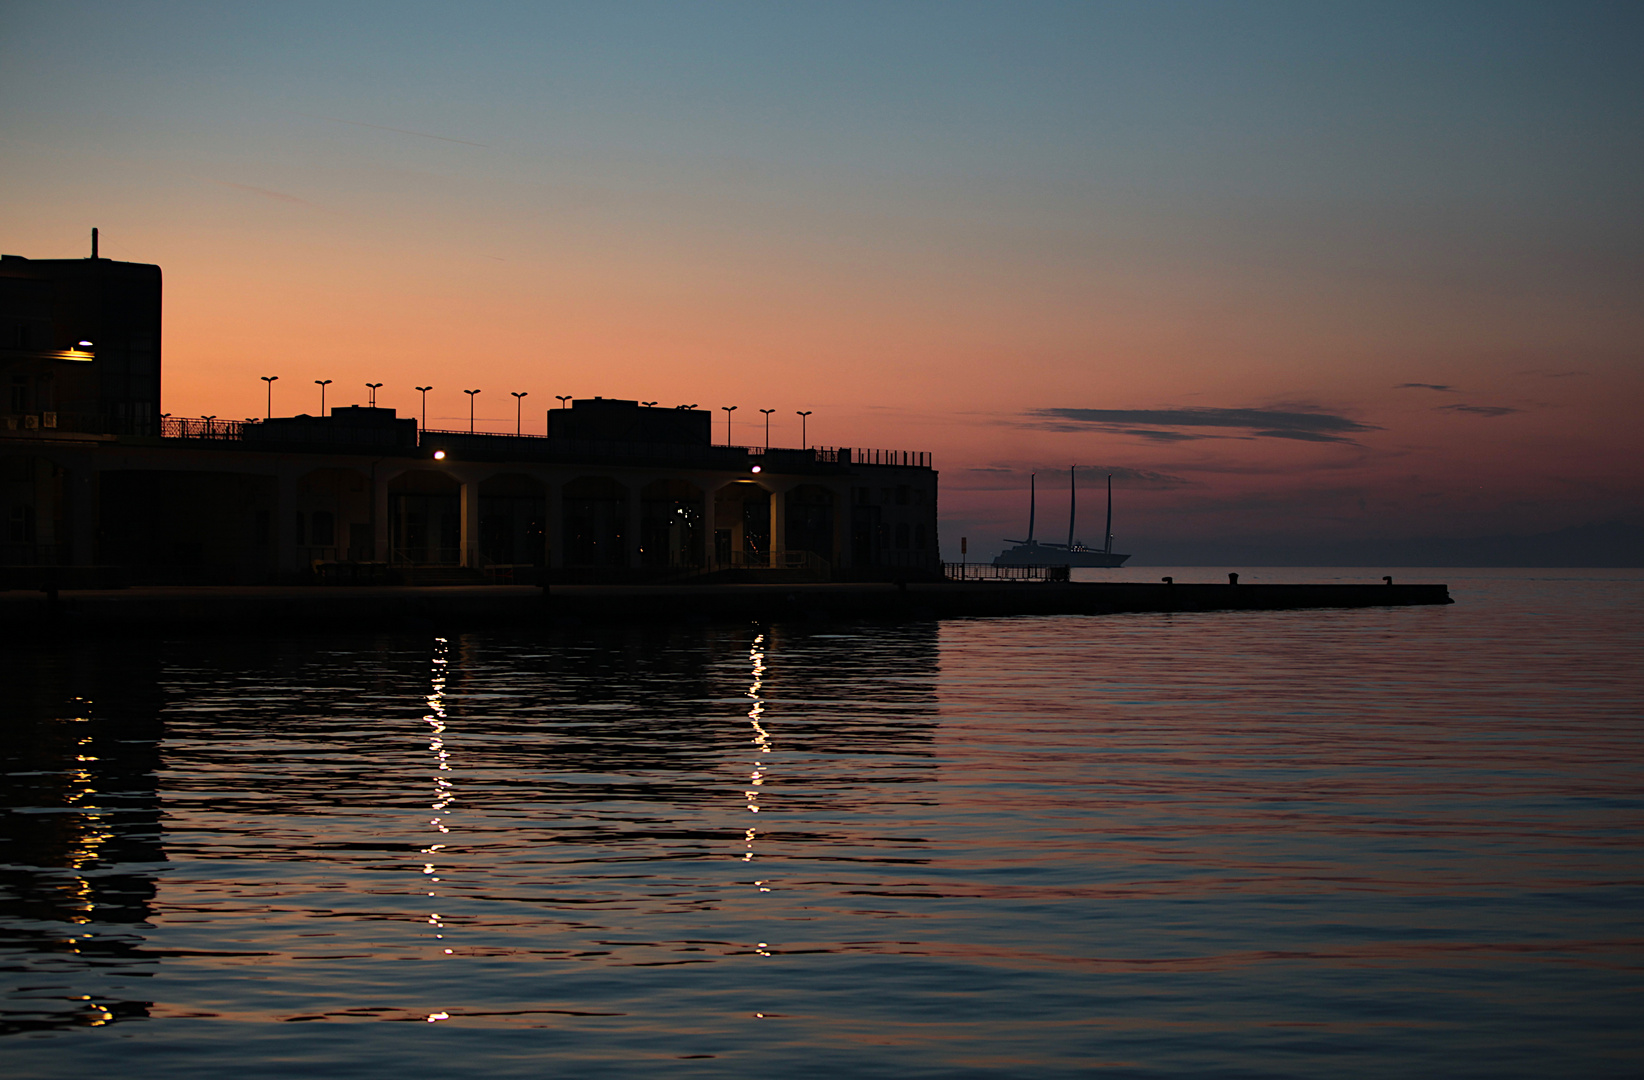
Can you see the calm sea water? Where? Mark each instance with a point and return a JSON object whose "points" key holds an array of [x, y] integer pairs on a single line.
{"points": [[1402, 842]]}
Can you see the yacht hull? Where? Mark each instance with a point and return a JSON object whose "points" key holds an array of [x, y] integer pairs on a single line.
{"points": [[1056, 555]]}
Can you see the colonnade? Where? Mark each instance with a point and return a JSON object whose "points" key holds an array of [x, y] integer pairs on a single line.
{"points": [[300, 508]]}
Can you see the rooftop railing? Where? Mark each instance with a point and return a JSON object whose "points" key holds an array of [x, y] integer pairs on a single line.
{"points": [[202, 427], [211, 428], [913, 459]]}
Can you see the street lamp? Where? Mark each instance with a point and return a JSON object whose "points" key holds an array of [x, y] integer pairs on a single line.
{"points": [[684, 406], [470, 394], [804, 440], [767, 413], [729, 409], [269, 379], [322, 384], [563, 398], [647, 404], [519, 402], [372, 386], [423, 390]]}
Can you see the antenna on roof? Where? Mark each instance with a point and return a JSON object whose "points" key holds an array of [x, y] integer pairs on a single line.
{"points": [[94, 243]]}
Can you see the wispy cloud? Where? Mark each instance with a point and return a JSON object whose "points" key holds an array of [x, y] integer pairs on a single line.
{"points": [[264, 192], [1165, 425], [1479, 410], [1427, 386], [401, 131]]}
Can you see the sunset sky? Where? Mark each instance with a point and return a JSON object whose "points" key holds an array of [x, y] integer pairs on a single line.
{"points": [[1288, 270]]}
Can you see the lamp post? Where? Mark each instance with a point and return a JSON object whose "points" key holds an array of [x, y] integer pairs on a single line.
{"points": [[423, 390], [804, 440], [270, 379], [470, 394], [729, 409], [322, 384], [519, 403], [767, 413], [372, 386], [562, 398], [648, 404]]}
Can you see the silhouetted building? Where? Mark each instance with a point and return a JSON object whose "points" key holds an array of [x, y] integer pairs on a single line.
{"points": [[616, 490], [80, 345], [613, 420]]}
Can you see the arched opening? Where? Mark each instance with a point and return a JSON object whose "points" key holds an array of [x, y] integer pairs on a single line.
{"points": [[31, 500], [513, 521], [596, 519], [671, 525], [334, 516], [196, 527], [742, 525], [424, 519], [808, 523]]}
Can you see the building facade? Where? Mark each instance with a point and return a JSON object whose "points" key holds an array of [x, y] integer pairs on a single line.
{"points": [[616, 491]]}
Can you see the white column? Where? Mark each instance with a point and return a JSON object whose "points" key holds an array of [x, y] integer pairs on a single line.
{"points": [[469, 508], [630, 538], [843, 509], [81, 490], [779, 525], [286, 560]]}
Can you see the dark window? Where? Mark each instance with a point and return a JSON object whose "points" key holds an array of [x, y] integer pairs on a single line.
{"points": [[324, 528], [299, 527], [21, 525], [904, 494], [360, 547], [259, 529], [919, 537], [902, 536]]}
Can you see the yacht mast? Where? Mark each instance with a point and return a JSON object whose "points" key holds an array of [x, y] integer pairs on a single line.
{"points": [[1071, 495], [1032, 505], [1109, 548]]}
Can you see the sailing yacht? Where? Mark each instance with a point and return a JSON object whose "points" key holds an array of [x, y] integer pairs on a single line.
{"points": [[1031, 552]]}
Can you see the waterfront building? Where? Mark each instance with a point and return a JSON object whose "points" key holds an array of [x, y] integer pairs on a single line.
{"points": [[615, 491]]}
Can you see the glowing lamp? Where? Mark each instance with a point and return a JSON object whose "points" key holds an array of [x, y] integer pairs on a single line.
{"points": [[439, 455], [83, 344], [757, 468]]}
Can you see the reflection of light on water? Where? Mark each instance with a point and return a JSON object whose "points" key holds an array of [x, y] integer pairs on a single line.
{"points": [[444, 791], [91, 830], [762, 748]]}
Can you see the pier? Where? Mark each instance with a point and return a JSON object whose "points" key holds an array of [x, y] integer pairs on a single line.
{"points": [[392, 608]]}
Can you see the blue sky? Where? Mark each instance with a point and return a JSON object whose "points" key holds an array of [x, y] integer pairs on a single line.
{"points": [[930, 223]]}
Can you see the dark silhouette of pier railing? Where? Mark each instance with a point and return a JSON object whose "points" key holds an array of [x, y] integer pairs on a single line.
{"points": [[968, 571]]}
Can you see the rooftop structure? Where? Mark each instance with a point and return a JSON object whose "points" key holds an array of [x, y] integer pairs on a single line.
{"points": [[79, 345]]}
